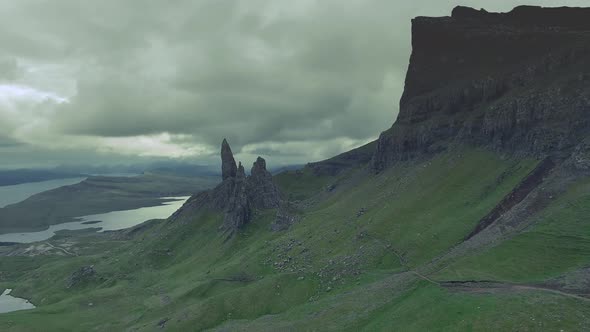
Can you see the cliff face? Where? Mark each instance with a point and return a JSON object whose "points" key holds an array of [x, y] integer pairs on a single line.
{"points": [[517, 82], [264, 194], [228, 163]]}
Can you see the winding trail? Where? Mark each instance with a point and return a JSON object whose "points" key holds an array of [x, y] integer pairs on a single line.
{"points": [[483, 286], [403, 262], [478, 286], [64, 250], [555, 291]]}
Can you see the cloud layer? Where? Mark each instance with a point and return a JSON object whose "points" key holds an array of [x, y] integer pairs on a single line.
{"points": [[118, 80]]}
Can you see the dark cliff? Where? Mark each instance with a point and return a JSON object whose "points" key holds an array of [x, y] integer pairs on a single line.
{"points": [[228, 163], [518, 82]]}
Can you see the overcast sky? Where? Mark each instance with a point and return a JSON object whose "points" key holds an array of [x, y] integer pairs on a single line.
{"points": [[114, 81]]}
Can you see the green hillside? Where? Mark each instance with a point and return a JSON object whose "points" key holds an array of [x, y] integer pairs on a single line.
{"points": [[353, 261]]}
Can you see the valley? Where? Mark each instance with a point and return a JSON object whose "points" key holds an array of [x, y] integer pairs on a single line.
{"points": [[471, 213], [96, 195], [335, 259], [17, 193]]}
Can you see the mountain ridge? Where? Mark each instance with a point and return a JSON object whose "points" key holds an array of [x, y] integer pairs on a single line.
{"points": [[463, 85]]}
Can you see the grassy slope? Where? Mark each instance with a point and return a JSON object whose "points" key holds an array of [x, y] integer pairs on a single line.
{"points": [[559, 242], [429, 308], [336, 269]]}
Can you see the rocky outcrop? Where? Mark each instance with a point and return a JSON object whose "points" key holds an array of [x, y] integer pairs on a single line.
{"points": [[517, 195], [80, 276], [263, 192], [580, 158], [228, 163], [517, 82], [238, 210], [238, 195], [284, 218]]}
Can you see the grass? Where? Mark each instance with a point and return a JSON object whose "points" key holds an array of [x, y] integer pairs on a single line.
{"points": [[343, 266], [420, 210], [302, 184], [429, 308], [559, 242]]}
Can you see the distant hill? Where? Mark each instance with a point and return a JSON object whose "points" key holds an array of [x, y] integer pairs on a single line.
{"points": [[172, 168], [97, 194], [18, 176]]}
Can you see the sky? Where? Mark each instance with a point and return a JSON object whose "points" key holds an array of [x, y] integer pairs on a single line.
{"points": [[120, 82]]}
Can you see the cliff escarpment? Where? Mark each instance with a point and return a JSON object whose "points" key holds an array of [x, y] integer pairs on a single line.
{"points": [[517, 82]]}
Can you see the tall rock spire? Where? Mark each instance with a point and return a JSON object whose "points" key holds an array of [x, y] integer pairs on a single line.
{"points": [[228, 163], [238, 196], [263, 192], [241, 172]]}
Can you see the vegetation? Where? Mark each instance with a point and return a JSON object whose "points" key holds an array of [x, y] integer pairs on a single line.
{"points": [[559, 242], [350, 263]]}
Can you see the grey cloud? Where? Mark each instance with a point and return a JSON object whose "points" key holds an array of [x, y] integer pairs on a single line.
{"points": [[9, 69], [295, 79], [8, 143], [311, 69]]}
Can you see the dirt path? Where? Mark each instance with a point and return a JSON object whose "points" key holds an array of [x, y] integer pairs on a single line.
{"points": [[492, 286], [64, 250], [555, 291], [425, 277], [516, 196], [478, 286], [403, 262]]}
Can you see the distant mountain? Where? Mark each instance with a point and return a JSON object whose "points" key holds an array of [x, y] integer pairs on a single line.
{"points": [[174, 168], [170, 167], [18, 176]]}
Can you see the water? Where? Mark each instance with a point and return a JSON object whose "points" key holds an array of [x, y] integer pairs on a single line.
{"points": [[20, 192], [10, 303], [105, 222]]}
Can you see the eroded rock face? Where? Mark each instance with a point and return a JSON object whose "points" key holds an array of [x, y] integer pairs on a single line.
{"points": [[228, 163], [580, 158], [517, 82], [284, 218], [263, 193], [237, 207], [238, 195], [81, 275]]}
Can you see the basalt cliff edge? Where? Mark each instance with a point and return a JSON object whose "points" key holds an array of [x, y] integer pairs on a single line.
{"points": [[516, 82]]}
